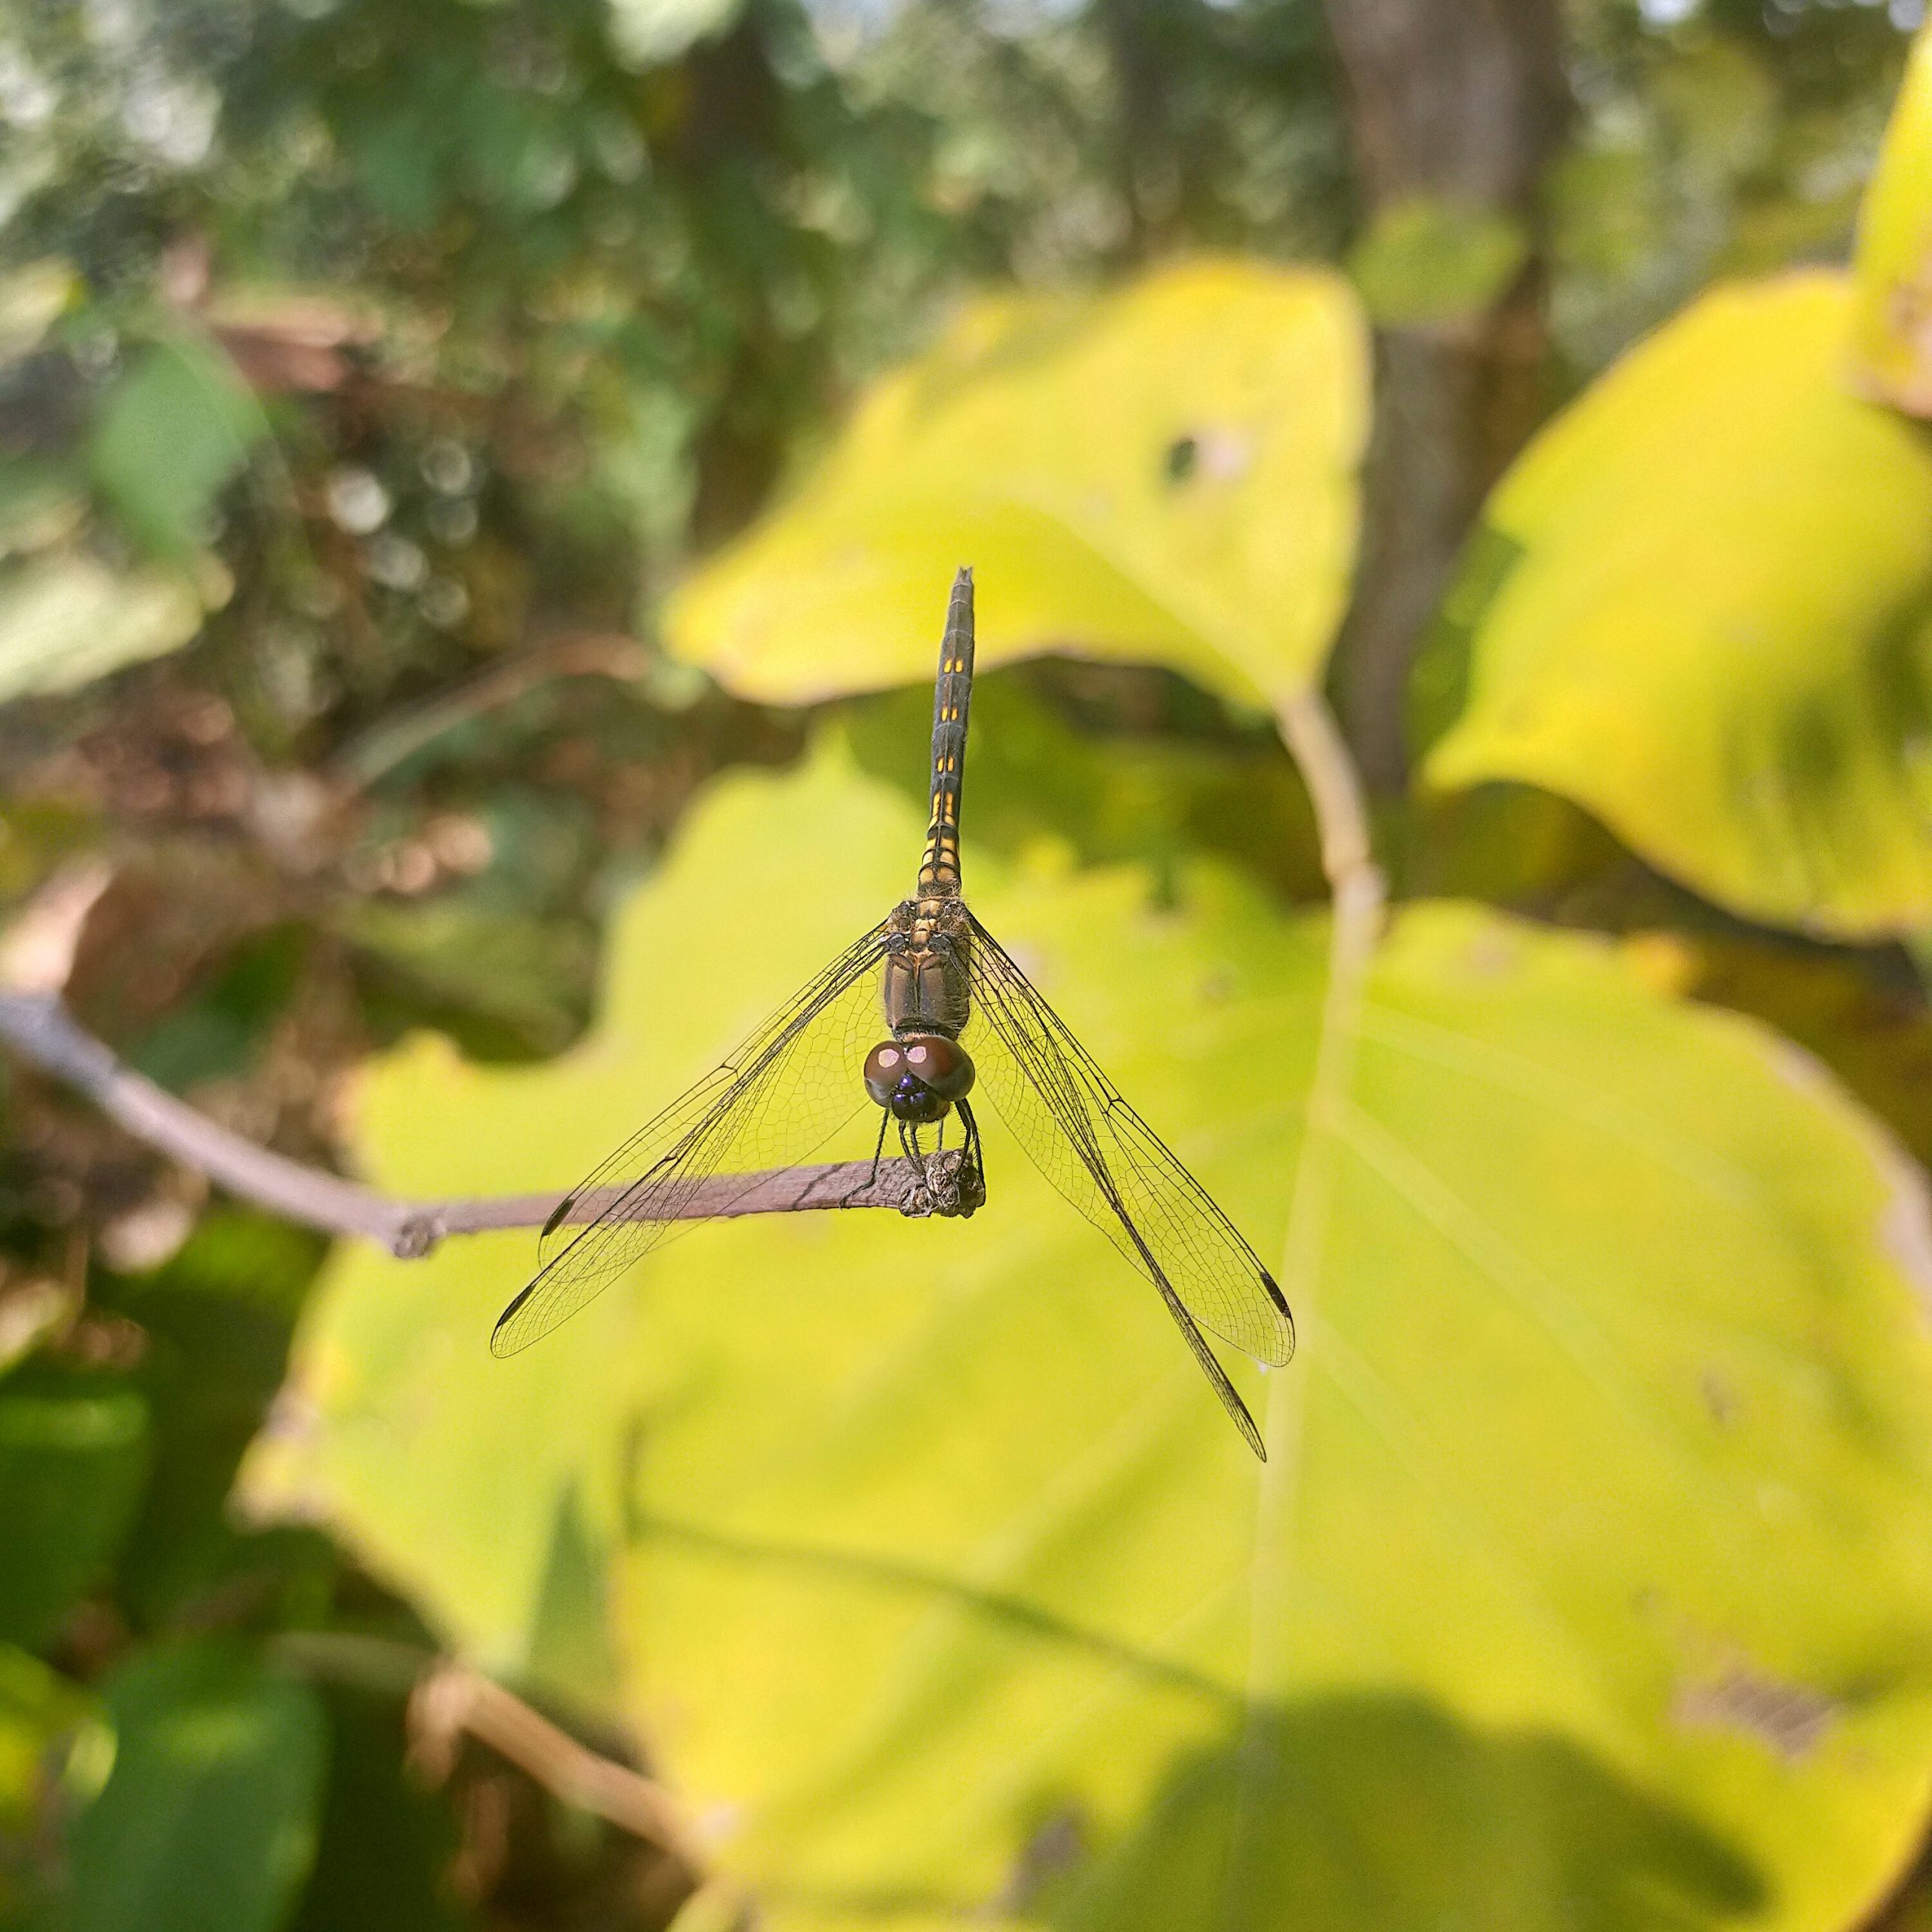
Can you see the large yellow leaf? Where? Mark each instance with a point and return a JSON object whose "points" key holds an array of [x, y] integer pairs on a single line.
{"points": [[1598, 1595], [1701, 607], [1166, 472], [1892, 318]]}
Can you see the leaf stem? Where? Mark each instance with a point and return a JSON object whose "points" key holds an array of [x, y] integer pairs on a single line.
{"points": [[1358, 895]]}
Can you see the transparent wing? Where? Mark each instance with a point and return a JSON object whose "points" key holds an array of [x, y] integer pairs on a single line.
{"points": [[1112, 1165], [773, 1101]]}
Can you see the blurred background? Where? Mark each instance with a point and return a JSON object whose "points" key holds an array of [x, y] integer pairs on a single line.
{"points": [[469, 469]]}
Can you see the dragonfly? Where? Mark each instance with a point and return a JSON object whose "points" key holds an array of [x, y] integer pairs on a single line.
{"points": [[960, 1019]]}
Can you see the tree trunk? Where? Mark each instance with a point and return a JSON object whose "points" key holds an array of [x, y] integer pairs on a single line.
{"points": [[1465, 102]]}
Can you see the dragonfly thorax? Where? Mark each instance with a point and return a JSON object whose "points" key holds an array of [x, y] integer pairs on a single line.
{"points": [[927, 985], [917, 1077]]}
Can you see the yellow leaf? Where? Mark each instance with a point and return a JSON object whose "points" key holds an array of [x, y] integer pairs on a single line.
{"points": [[936, 1577], [1699, 609], [1892, 318], [1166, 473]]}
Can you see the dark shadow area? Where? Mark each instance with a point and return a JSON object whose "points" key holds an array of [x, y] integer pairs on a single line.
{"points": [[573, 1653], [1365, 1814], [1126, 764], [1388, 1815]]}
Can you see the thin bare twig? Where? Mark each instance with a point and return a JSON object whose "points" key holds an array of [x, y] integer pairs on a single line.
{"points": [[447, 1698], [381, 749], [39, 1028], [452, 1697]]}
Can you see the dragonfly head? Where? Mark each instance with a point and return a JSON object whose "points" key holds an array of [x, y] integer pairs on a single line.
{"points": [[917, 1076]]}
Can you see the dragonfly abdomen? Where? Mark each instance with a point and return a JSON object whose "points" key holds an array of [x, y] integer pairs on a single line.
{"points": [[939, 873]]}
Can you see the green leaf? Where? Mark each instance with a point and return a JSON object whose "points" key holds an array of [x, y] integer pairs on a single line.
{"points": [[173, 432], [1162, 799], [55, 1752], [65, 619], [208, 1822], [1701, 608], [942, 1587], [1892, 314], [385, 1843], [217, 1316], [1167, 473], [73, 1453], [51, 1738], [40, 505], [1429, 263]]}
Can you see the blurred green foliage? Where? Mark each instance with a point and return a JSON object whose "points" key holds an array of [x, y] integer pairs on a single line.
{"points": [[208, 1816], [382, 390]]}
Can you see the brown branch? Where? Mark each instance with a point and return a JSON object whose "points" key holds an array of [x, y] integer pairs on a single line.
{"points": [[41, 1031], [1461, 103]]}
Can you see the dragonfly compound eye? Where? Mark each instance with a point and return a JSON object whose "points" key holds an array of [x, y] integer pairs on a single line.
{"points": [[944, 1065], [917, 1079], [885, 1068]]}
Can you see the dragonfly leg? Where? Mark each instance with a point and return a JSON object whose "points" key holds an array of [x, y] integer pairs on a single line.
{"points": [[968, 1180], [872, 1180], [909, 1139], [976, 1148]]}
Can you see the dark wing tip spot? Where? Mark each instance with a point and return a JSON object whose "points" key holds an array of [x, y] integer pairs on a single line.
{"points": [[1273, 1292], [560, 1211], [503, 1340], [1244, 1421], [1284, 1350]]}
